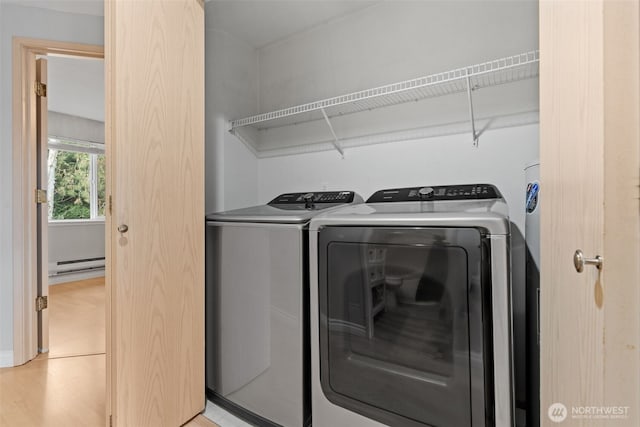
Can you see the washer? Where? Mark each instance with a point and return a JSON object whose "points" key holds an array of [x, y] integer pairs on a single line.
{"points": [[410, 310], [257, 350]]}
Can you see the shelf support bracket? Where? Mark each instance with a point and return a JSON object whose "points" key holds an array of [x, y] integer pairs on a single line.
{"points": [[473, 123], [336, 141]]}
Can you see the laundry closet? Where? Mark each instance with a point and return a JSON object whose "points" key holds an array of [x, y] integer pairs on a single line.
{"points": [[368, 45], [363, 96]]}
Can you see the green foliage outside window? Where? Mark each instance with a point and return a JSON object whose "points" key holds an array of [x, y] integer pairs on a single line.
{"points": [[71, 199], [102, 184], [70, 179]]}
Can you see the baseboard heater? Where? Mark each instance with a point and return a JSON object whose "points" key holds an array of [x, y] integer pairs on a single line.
{"points": [[75, 266]]}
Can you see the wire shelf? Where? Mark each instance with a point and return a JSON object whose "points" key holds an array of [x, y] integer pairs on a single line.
{"points": [[492, 73]]}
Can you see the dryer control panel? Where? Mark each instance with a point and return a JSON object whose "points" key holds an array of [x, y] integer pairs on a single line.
{"points": [[314, 197], [436, 193]]}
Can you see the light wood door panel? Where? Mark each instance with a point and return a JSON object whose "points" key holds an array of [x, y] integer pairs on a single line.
{"points": [[155, 127], [622, 205], [589, 140], [571, 167], [42, 209]]}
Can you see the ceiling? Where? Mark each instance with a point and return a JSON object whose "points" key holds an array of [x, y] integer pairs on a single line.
{"points": [[76, 86], [260, 23], [257, 22], [85, 7]]}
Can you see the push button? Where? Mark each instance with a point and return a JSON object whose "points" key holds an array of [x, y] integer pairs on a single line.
{"points": [[426, 193]]}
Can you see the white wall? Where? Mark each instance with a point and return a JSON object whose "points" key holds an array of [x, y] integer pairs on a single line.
{"points": [[6, 291], [390, 42], [33, 23], [499, 159], [81, 240], [73, 240], [76, 86], [231, 91], [74, 127]]}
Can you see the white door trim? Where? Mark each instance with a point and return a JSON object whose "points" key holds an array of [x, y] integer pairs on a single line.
{"points": [[24, 233]]}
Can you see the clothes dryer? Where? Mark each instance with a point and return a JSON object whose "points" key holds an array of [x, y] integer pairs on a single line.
{"points": [[410, 310]]}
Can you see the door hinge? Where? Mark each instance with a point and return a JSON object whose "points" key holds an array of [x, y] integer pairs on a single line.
{"points": [[41, 89], [41, 196], [110, 205], [41, 303]]}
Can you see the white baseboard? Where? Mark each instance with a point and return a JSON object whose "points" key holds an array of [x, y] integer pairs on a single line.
{"points": [[6, 358], [73, 277]]}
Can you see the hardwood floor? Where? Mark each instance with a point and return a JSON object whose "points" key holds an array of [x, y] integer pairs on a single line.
{"points": [[65, 387], [54, 392], [76, 318]]}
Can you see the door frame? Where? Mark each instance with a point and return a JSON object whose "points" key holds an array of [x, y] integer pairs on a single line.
{"points": [[25, 234], [590, 151]]}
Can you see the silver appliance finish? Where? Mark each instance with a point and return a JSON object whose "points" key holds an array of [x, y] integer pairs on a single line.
{"points": [[532, 237], [266, 214], [488, 219], [256, 313]]}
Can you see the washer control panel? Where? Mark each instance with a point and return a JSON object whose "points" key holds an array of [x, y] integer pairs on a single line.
{"points": [[436, 193], [314, 197]]}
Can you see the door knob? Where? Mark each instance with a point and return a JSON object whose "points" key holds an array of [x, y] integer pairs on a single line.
{"points": [[579, 261], [123, 228]]}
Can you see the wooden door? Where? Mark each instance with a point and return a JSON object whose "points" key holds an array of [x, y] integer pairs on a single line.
{"points": [[42, 179], [590, 136], [154, 61]]}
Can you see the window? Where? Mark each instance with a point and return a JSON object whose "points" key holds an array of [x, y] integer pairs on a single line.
{"points": [[76, 173]]}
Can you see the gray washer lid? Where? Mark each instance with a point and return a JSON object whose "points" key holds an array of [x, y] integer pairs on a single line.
{"points": [[271, 214]]}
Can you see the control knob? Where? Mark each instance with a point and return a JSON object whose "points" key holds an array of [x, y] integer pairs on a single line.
{"points": [[308, 201], [426, 193]]}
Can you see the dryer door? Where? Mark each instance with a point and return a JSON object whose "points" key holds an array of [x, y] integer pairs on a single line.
{"points": [[405, 321]]}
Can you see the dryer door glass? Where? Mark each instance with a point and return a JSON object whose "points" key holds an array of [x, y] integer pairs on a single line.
{"points": [[401, 323]]}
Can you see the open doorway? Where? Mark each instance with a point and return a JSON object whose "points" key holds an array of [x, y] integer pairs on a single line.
{"points": [[76, 202], [30, 141], [73, 373]]}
